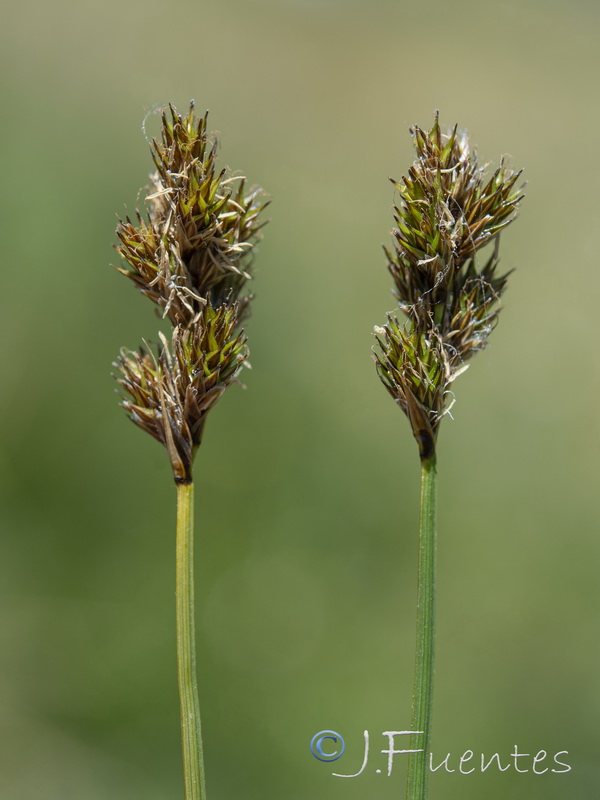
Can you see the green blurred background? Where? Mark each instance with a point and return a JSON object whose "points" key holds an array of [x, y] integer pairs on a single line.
{"points": [[308, 480]]}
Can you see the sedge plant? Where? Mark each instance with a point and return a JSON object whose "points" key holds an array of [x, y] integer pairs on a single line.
{"points": [[190, 253], [449, 209]]}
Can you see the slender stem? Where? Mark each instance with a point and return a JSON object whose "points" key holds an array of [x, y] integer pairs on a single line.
{"points": [[191, 735], [418, 765]]}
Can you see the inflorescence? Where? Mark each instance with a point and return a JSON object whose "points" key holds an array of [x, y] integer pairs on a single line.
{"points": [[449, 209], [191, 254]]}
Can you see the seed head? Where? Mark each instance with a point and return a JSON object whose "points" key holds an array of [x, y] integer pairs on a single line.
{"points": [[448, 210], [191, 255]]}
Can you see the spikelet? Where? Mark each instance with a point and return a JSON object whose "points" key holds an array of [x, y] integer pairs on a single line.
{"points": [[169, 395], [200, 229]]}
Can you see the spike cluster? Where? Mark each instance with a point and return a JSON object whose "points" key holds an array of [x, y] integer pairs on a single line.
{"points": [[448, 211], [191, 254]]}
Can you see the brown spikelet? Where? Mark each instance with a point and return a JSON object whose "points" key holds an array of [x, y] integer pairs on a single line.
{"points": [[200, 229], [169, 395]]}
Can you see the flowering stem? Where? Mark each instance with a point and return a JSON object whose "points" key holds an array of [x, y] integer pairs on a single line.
{"points": [[191, 736], [418, 765]]}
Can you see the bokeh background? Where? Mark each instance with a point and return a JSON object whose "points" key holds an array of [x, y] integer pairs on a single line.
{"points": [[307, 483]]}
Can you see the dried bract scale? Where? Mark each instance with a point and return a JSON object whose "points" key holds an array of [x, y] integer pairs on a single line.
{"points": [[448, 210], [170, 395], [202, 225]]}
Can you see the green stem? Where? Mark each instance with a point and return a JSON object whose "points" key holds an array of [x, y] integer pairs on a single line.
{"points": [[418, 765], [191, 736]]}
